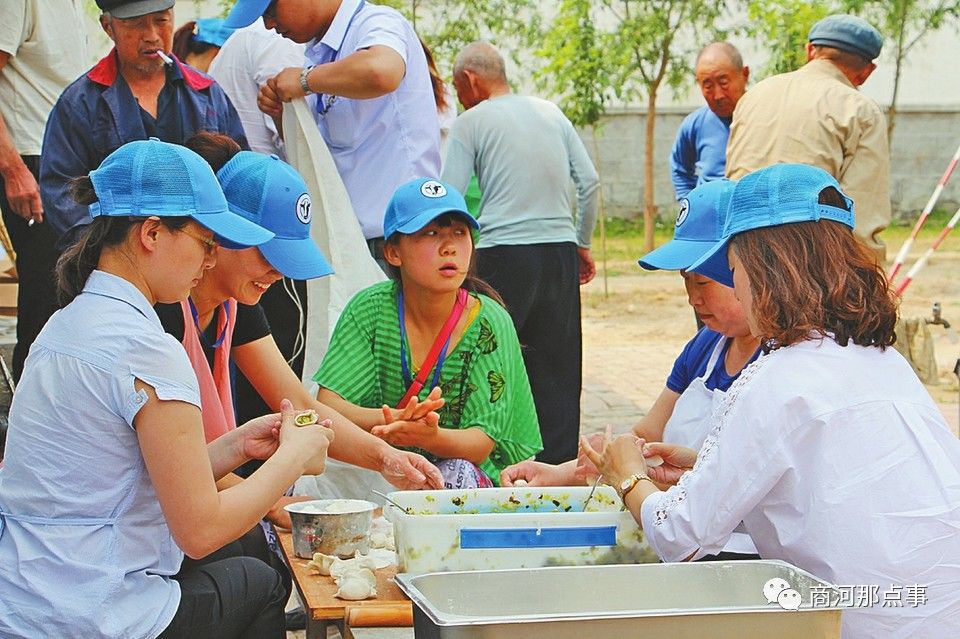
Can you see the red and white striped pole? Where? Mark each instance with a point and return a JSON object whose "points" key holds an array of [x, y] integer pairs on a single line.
{"points": [[920, 263], [902, 254]]}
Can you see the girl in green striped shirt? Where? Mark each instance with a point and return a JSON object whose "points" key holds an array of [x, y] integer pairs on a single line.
{"points": [[470, 409]]}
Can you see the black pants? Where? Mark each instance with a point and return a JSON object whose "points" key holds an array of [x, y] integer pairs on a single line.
{"points": [[230, 594], [540, 285], [36, 259]]}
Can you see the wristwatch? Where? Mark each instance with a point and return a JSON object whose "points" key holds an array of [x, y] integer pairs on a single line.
{"points": [[630, 483], [303, 79]]}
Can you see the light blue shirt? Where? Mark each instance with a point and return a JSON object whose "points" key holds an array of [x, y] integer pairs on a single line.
{"points": [[524, 151], [84, 548], [700, 151], [380, 143]]}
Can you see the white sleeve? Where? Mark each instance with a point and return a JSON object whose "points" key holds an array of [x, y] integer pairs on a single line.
{"points": [[160, 361], [13, 25], [740, 462], [278, 55], [385, 30]]}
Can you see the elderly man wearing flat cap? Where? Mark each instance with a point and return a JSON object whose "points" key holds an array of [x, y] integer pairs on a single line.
{"points": [[131, 94], [816, 116]]}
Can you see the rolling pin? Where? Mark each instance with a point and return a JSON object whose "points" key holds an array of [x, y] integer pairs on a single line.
{"points": [[392, 614]]}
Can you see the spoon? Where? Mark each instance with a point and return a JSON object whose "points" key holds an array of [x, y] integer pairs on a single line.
{"points": [[407, 510], [592, 490]]}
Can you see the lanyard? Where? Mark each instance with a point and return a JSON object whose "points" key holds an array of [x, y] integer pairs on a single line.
{"points": [[200, 332], [321, 107], [438, 352]]}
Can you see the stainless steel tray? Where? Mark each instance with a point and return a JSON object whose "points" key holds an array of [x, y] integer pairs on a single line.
{"points": [[695, 600]]}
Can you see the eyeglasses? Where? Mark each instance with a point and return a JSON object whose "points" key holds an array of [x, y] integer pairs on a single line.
{"points": [[270, 13], [209, 245]]}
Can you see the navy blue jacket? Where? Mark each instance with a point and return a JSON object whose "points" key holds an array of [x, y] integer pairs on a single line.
{"points": [[96, 114]]}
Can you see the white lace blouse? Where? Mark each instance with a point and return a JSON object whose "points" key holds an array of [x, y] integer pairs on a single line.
{"points": [[837, 461]]}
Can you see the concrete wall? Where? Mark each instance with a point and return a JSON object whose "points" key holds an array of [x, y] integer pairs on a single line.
{"points": [[924, 140]]}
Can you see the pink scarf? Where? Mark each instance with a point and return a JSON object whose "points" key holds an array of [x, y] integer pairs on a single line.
{"points": [[216, 397]]}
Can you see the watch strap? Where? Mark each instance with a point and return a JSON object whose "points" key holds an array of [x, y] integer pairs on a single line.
{"points": [[630, 483], [303, 79]]}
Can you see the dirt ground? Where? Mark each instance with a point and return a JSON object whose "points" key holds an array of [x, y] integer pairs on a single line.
{"points": [[632, 337]]}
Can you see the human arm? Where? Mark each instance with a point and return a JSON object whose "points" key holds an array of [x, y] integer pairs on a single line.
{"points": [[264, 366], [587, 182], [367, 418], [650, 426], [865, 173], [67, 153], [183, 469], [20, 186], [683, 161], [697, 516], [540, 474], [362, 75]]}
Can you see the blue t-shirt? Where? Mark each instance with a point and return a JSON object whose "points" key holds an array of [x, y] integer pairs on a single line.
{"points": [[700, 151], [693, 359]]}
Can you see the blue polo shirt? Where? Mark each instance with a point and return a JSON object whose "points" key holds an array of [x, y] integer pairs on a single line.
{"points": [[693, 359], [97, 114], [85, 550], [700, 151]]}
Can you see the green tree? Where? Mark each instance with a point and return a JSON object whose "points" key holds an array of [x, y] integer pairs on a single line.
{"points": [[449, 25], [651, 43], [576, 70], [783, 25]]}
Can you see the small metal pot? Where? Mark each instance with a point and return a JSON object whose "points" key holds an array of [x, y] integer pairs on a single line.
{"points": [[331, 526]]}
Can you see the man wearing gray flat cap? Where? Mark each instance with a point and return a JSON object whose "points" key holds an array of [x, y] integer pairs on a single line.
{"points": [[815, 115]]}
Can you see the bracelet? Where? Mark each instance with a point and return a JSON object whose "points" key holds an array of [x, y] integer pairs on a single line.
{"points": [[303, 79]]}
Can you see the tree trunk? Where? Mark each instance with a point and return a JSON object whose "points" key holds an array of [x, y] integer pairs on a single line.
{"points": [[649, 210], [602, 214]]}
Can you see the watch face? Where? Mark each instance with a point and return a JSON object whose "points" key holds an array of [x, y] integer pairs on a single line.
{"points": [[626, 483]]}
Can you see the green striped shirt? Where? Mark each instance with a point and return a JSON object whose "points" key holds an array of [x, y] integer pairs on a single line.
{"points": [[483, 378]]}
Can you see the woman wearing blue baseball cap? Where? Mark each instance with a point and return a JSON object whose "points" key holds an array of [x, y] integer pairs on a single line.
{"points": [[828, 448], [706, 367], [433, 337], [107, 481], [221, 321]]}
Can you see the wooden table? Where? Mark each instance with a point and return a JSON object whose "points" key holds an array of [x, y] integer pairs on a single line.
{"points": [[391, 607]]}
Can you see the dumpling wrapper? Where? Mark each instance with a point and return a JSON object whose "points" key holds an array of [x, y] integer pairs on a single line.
{"points": [[306, 417]]}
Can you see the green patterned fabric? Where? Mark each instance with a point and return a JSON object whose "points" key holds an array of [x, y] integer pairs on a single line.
{"points": [[483, 378]]}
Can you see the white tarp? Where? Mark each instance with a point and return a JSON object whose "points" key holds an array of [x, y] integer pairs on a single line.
{"points": [[335, 229]]}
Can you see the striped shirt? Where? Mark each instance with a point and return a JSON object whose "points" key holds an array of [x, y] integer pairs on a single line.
{"points": [[483, 378]]}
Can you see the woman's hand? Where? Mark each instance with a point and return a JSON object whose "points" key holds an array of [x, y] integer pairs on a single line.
{"points": [[260, 437], [409, 471], [420, 433], [415, 409], [536, 473], [585, 468], [311, 441], [676, 461], [618, 459]]}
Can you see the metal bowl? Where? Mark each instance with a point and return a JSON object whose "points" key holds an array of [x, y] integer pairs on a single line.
{"points": [[331, 526]]}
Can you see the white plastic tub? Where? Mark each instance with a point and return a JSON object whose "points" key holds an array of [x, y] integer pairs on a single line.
{"points": [[491, 528]]}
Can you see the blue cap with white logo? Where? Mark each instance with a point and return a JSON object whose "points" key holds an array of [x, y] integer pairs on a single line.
{"points": [[699, 226], [265, 190], [417, 203], [775, 195], [147, 178]]}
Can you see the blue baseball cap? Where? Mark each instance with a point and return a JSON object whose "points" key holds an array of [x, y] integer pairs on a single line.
{"points": [[699, 226], [153, 178], [775, 195], [847, 33], [245, 13], [212, 31], [270, 193], [417, 203]]}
